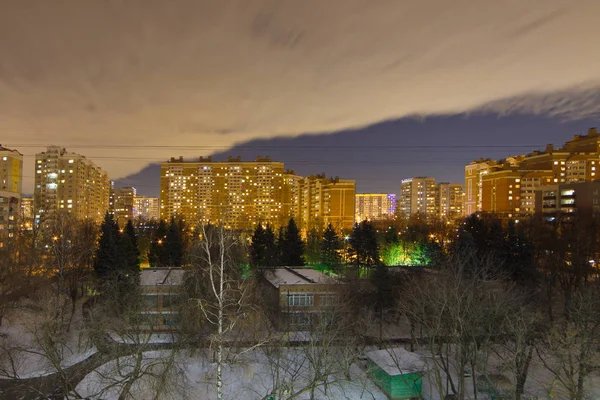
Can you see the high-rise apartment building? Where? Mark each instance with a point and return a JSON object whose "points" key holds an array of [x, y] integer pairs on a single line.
{"points": [[147, 208], [238, 194], [450, 200], [507, 187], [419, 196], [474, 173], [11, 174], [123, 204], [374, 206], [27, 210], [69, 182], [567, 199], [324, 201]]}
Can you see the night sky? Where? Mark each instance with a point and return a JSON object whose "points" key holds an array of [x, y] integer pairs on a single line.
{"points": [[381, 155], [124, 83]]}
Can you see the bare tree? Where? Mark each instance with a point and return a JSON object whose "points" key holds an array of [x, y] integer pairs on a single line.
{"points": [[220, 290], [570, 349], [456, 314], [321, 355]]}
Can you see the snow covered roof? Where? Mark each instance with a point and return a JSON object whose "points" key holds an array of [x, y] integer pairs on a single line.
{"points": [[295, 276], [161, 277], [396, 361]]}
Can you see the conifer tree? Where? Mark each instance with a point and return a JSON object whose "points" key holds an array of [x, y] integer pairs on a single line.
{"points": [[174, 245], [157, 255], [363, 245], [330, 248], [291, 246], [107, 254], [271, 250], [130, 253], [258, 246]]}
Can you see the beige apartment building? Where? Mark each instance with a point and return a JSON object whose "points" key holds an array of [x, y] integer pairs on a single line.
{"points": [[146, 208], [239, 194], [69, 182], [507, 187], [324, 201], [419, 196], [11, 175], [123, 204], [450, 200], [374, 206], [474, 173]]}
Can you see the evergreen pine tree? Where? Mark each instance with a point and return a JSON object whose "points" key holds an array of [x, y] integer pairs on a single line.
{"points": [[292, 246], [258, 247], [130, 253], [157, 255], [363, 245], [330, 248], [174, 245], [107, 253], [271, 250], [313, 246], [279, 245]]}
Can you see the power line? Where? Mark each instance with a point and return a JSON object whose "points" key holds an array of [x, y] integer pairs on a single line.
{"points": [[285, 147]]}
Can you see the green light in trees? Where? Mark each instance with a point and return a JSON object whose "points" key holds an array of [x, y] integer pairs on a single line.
{"points": [[406, 254]]}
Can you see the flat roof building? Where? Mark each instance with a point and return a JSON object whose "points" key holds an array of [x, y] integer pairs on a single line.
{"points": [[297, 296]]}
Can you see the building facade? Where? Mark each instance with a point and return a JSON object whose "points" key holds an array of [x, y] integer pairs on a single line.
{"points": [[147, 208], [238, 194], [297, 296], [160, 290], [11, 175], [419, 196], [508, 187], [567, 199], [69, 182], [324, 201], [474, 173], [374, 206], [123, 205], [450, 200]]}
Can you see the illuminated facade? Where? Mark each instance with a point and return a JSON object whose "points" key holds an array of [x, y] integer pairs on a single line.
{"points": [[147, 208], [11, 174], [238, 194], [474, 173], [27, 210], [419, 196], [567, 199], [508, 187], [69, 182], [324, 201], [373, 206], [123, 204], [450, 200]]}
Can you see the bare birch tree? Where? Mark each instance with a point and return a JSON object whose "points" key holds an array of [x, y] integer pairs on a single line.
{"points": [[220, 291]]}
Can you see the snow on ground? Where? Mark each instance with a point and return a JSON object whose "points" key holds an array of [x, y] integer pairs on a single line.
{"points": [[137, 338], [23, 338], [249, 377]]}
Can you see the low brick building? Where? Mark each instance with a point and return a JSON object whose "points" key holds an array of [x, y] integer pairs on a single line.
{"points": [[160, 289], [297, 296]]}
